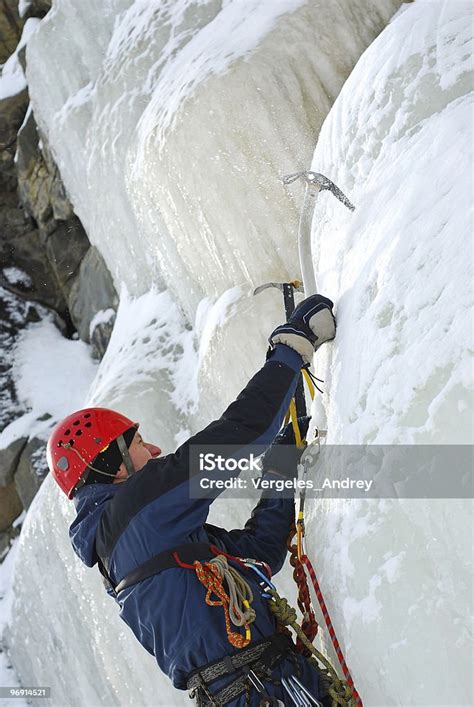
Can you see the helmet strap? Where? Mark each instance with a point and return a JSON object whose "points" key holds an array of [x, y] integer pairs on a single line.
{"points": [[121, 444]]}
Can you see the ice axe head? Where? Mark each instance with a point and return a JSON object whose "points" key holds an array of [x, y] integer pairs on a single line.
{"points": [[318, 182], [288, 289]]}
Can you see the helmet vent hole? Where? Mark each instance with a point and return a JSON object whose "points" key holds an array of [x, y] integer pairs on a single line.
{"points": [[67, 433], [88, 424], [87, 414], [76, 422], [78, 433], [71, 442]]}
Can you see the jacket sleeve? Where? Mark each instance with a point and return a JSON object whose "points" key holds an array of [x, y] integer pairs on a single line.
{"points": [[252, 420], [256, 415], [265, 534]]}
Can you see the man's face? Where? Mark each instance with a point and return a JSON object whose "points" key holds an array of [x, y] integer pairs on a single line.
{"points": [[140, 452]]}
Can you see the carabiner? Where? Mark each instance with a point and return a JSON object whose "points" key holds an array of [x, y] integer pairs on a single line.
{"points": [[305, 691], [265, 583]]}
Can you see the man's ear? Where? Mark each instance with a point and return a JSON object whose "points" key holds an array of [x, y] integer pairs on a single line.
{"points": [[121, 473]]}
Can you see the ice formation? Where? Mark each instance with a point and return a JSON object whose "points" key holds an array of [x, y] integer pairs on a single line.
{"points": [[179, 116], [398, 572], [171, 156]]}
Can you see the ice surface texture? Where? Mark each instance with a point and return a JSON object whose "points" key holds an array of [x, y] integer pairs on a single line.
{"points": [[397, 573]]}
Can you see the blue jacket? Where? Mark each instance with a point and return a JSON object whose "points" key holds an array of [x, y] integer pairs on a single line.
{"points": [[127, 524]]}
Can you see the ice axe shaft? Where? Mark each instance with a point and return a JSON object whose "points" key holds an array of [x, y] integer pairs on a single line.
{"points": [[288, 289], [315, 183]]}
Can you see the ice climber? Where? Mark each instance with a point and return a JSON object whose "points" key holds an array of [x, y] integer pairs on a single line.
{"points": [[137, 520]]}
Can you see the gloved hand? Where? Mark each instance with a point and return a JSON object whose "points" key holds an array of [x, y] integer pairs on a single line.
{"points": [[311, 324], [283, 456]]}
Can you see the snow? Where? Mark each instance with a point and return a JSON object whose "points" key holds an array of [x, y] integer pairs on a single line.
{"points": [[103, 316], [12, 79], [44, 356], [45, 366], [151, 349], [15, 276], [186, 208]]}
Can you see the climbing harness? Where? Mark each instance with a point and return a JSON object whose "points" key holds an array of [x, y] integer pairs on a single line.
{"points": [[250, 665], [217, 570]]}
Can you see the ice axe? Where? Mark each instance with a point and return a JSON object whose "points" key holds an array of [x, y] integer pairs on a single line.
{"points": [[315, 183], [288, 289]]}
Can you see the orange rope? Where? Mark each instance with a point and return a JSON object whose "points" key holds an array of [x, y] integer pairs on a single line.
{"points": [[208, 575]]}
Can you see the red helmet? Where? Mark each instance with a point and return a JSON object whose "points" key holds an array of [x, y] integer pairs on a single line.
{"points": [[76, 441]]}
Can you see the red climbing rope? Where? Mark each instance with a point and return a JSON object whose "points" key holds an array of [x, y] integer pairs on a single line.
{"points": [[309, 624], [307, 563]]}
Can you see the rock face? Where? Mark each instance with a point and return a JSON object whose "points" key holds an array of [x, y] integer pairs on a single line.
{"points": [[10, 506], [39, 184], [59, 242], [31, 472], [39, 231], [21, 247], [9, 458], [21, 240], [80, 273], [10, 28], [46, 263], [12, 112], [93, 291]]}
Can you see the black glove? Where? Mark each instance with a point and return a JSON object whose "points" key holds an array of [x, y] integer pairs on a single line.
{"points": [[283, 456], [311, 324]]}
